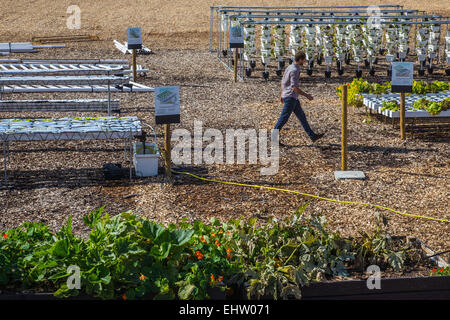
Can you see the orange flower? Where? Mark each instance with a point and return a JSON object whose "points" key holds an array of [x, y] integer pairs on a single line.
{"points": [[220, 231], [213, 235], [434, 270], [199, 255], [202, 239], [442, 270], [124, 297], [228, 250], [217, 243], [5, 235], [228, 256], [220, 279], [142, 277], [212, 277]]}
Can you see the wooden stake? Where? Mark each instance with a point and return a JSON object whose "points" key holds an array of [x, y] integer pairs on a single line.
{"points": [[167, 154], [235, 64], [402, 116], [134, 65], [344, 129]]}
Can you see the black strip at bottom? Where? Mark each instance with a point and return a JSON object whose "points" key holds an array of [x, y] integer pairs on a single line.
{"points": [[399, 89], [175, 118]]}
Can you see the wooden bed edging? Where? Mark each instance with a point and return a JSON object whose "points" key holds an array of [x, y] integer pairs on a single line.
{"points": [[420, 288], [423, 288]]}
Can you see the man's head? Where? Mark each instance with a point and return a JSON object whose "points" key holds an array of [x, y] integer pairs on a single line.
{"points": [[300, 58]]}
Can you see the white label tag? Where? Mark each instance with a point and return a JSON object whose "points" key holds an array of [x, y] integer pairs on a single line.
{"points": [[167, 101], [402, 73]]}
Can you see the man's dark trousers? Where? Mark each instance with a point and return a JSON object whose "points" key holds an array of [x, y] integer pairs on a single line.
{"points": [[292, 104]]}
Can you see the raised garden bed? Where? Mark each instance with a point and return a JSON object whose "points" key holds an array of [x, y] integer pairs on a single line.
{"points": [[131, 258], [420, 288], [375, 102], [407, 288]]}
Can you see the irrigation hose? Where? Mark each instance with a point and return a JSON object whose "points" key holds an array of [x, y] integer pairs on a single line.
{"points": [[307, 195], [310, 195]]}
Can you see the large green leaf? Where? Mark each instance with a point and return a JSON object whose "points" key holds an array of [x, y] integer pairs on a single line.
{"points": [[185, 292], [182, 236], [60, 249], [151, 230], [162, 251], [92, 218], [59, 276]]}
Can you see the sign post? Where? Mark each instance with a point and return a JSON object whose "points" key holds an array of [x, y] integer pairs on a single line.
{"points": [[167, 111], [167, 151], [134, 42], [344, 174], [344, 129], [134, 65], [236, 42], [402, 82]]}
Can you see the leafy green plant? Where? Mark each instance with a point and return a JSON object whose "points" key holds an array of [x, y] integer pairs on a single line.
{"points": [[282, 256], [377, 248], [390, 105], [130, 258], [359, 86], [123, 257], [440, 271], [434, 108]]}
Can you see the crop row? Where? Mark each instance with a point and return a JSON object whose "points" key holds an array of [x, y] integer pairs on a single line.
{"points": [[128, 257]]}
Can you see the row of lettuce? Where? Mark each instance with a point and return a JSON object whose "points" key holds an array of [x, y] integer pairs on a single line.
{"points": [[127, 257], [433, 107], [359, 86]]}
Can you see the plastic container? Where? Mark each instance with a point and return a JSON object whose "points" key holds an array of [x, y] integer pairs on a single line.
{"points": [[146, 165]]}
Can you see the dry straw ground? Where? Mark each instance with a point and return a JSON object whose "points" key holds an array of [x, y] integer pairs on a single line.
{"points": [[51, 180]]}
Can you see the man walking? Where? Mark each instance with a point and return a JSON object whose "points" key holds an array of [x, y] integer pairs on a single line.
{"points": [[289, 96]]}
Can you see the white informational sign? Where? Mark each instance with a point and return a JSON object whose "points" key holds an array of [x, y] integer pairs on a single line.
{"points": [[134, 38], [402, 76], [236, 36], [167, 104]]}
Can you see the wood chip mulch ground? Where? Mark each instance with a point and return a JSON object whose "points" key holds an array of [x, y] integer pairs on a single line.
{"points": [[48, 181]]}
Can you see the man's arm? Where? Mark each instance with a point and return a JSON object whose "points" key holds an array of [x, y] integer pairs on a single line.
{"points": [[295, 82], [303, 93]]}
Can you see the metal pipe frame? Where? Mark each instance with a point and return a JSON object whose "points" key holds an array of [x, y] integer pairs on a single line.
{"points": [[321, 13], [446, 22], [327, 13], [405, 15], [334, 17], [251, 8], [305, 7]]}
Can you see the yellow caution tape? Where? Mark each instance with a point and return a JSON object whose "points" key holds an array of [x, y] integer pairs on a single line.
{"points": [[312, 196]]}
